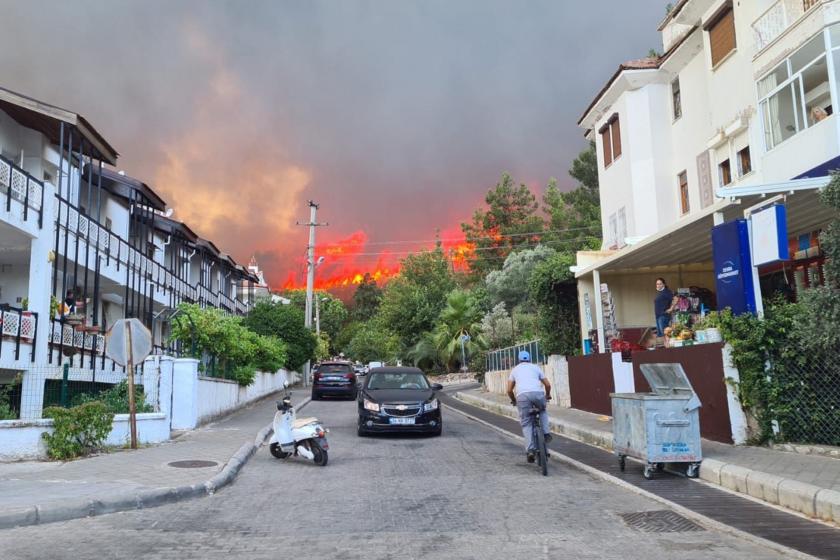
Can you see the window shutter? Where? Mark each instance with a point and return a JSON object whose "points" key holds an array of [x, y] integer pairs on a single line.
{"points": [[615, 132], [722, 35], [605, 140]]}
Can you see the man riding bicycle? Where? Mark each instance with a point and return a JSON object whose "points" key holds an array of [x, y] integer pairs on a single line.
{"points": [[531, 389]]}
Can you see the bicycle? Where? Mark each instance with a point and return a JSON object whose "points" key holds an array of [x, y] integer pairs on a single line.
{"points": [[538, 435]]}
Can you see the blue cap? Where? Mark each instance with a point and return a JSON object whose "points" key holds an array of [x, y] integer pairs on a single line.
{"points": [[524, 356]]}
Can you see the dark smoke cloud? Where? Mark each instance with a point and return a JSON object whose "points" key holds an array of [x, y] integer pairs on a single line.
{"points": [[395, 115]]}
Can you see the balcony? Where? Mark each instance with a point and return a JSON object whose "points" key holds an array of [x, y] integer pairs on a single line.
{"points": [[18, 328], [21, 195], [778, 18]]}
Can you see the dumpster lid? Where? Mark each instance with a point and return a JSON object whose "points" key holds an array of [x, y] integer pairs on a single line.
{"points": [[666, 379]]}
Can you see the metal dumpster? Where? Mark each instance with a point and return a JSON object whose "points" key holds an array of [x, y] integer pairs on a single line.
{"points": [[659, 427]]}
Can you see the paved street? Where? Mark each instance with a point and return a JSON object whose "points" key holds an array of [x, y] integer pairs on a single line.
{"points": [[469, 494]]}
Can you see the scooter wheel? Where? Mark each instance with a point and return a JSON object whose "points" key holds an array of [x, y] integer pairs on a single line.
{"points": [[278, 453], [321, 456]]}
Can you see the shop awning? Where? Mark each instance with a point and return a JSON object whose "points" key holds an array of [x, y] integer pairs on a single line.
{"points": [[688, 241]]}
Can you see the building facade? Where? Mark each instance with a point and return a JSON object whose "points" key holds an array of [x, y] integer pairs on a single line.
{"points": [[82, 246], [739, 107]]}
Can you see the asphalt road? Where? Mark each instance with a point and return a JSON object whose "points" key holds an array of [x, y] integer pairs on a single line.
{"points": [[468, 494]]}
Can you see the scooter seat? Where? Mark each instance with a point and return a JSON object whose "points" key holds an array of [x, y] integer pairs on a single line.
{"points": [[301, 422]]}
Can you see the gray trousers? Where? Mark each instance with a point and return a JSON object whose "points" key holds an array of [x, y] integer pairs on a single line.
{"points": [[524, 401]]}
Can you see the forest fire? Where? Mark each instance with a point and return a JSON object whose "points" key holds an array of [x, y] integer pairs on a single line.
{"points": [[348, 260]]}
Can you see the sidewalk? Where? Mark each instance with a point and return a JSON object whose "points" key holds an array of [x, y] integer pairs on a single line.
{"points": [[40, 491], [808, 484]]}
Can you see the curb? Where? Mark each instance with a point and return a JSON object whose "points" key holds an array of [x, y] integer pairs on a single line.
{"points": [[39, 515], [682, 510], [809, 500]]}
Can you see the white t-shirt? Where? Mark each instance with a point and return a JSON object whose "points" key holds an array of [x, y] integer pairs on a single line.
{"points": [[528, 378]]}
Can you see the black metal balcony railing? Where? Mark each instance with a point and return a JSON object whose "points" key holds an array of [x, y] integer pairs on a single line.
{"points": [[18, 326], [17, 184]]}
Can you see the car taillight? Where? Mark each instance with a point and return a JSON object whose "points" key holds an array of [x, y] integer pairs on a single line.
{"points": [[348, 376], [317, 376]]}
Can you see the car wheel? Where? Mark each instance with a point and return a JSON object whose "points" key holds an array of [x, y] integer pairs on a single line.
{"points": [[361, 432], [316, 396], [438, 431], [275, 450]]}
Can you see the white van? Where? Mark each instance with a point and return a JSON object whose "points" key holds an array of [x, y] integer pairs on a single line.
{"points": [[372, 365]]}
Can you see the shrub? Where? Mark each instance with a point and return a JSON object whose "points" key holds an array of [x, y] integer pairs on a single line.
{"points": [[77, 431], [116, 399], [244, 375]]}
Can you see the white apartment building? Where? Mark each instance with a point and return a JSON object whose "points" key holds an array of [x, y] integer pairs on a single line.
{"points": [[82, 246], [740, 106]]}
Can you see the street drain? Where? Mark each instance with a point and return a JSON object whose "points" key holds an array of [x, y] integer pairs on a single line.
{"points": [[193, 464], [660, 521]]}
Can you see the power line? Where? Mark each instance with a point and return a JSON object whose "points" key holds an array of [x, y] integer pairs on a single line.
{"points": [[463, 239]]}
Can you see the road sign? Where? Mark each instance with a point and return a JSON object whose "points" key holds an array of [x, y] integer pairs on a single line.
{"points": [[127, 342]]}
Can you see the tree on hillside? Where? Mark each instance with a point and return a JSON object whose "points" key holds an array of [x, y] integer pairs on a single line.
{"points": [[373, 342], [366, 299], [497, 327], [510, 284], [509, 221], [574, 217], [412, 302], [286, 323]]}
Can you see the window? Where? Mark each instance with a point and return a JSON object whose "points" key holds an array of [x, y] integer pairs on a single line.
{"points": [[725, 173], [613, 238], [744, 161], [611, 140], [683, 180], [721, 30], [108, 224], [796, 94], [675, 97]]}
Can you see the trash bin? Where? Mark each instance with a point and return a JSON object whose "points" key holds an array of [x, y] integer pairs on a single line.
{"points": [[659, 427]]}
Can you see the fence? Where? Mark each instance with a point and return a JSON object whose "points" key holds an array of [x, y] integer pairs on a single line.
{"points": [[808, 408], [25, 395], [17, 327], [506, 358]]}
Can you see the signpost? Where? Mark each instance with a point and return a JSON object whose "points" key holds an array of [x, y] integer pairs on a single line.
{"points": [[127, 342]]}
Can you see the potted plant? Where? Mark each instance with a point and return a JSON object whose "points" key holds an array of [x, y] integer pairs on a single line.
{"points": [[711, 322]]}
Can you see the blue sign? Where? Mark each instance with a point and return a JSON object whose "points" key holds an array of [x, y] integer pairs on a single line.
{"points": [[733, 267]]}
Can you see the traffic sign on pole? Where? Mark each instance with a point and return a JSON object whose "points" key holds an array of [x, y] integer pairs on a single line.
{"points": [[127, 342]]}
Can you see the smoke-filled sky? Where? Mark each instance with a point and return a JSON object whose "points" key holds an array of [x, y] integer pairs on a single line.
{"points": [[395, 115]]}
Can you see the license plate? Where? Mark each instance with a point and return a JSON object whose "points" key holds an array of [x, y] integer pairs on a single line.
{"points": [[334, 379], [401, 420]]}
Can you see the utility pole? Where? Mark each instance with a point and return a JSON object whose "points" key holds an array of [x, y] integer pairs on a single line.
{"points": [[310, 270]]}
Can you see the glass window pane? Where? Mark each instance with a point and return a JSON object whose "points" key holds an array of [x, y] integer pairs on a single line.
{"points": [[768, 128], [817, 91], [773, 79], [812, 49], [797, 103], [780, 119]]}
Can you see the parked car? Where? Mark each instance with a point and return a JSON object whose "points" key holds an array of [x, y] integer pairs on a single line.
{"points": [[359, 369], [372, 365], [334, 379], [398, 399]]}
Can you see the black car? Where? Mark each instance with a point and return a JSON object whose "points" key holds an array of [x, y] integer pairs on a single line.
{"points": [[334, 379], [398, 399]]}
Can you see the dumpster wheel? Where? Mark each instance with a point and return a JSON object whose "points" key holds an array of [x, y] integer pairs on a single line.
{"points": [[622, 462], [693, 470], [648, 472]]}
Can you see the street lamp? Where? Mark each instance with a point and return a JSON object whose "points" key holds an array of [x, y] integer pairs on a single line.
{"points": [[318, 314]]}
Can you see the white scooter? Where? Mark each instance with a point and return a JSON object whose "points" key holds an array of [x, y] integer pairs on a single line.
{"points": [[292, 436]]}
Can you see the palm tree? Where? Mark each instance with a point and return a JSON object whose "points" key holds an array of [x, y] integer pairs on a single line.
{"points": [[459, 317]]}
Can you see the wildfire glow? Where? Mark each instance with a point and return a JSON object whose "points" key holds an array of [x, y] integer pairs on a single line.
{"points": [[348, 260]]}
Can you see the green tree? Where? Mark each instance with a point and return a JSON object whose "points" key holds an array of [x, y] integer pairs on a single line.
{"points": [[459, 317], [552, 286], [510, 284], [286, 323], [509, 221], [497, 327], [412, 302], [332, 311], [574, 217], [366, 299], [373, 342]]}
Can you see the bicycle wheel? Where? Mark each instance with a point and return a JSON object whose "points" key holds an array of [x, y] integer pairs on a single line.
{"points": [[541, 451]]}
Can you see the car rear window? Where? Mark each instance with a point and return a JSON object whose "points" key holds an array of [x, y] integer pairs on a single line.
{"points": [[335, 368], [397, 381]]}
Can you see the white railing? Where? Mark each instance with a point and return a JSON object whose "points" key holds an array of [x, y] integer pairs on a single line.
{"points": [[16, 184], [777, 18], [70, 337]]}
